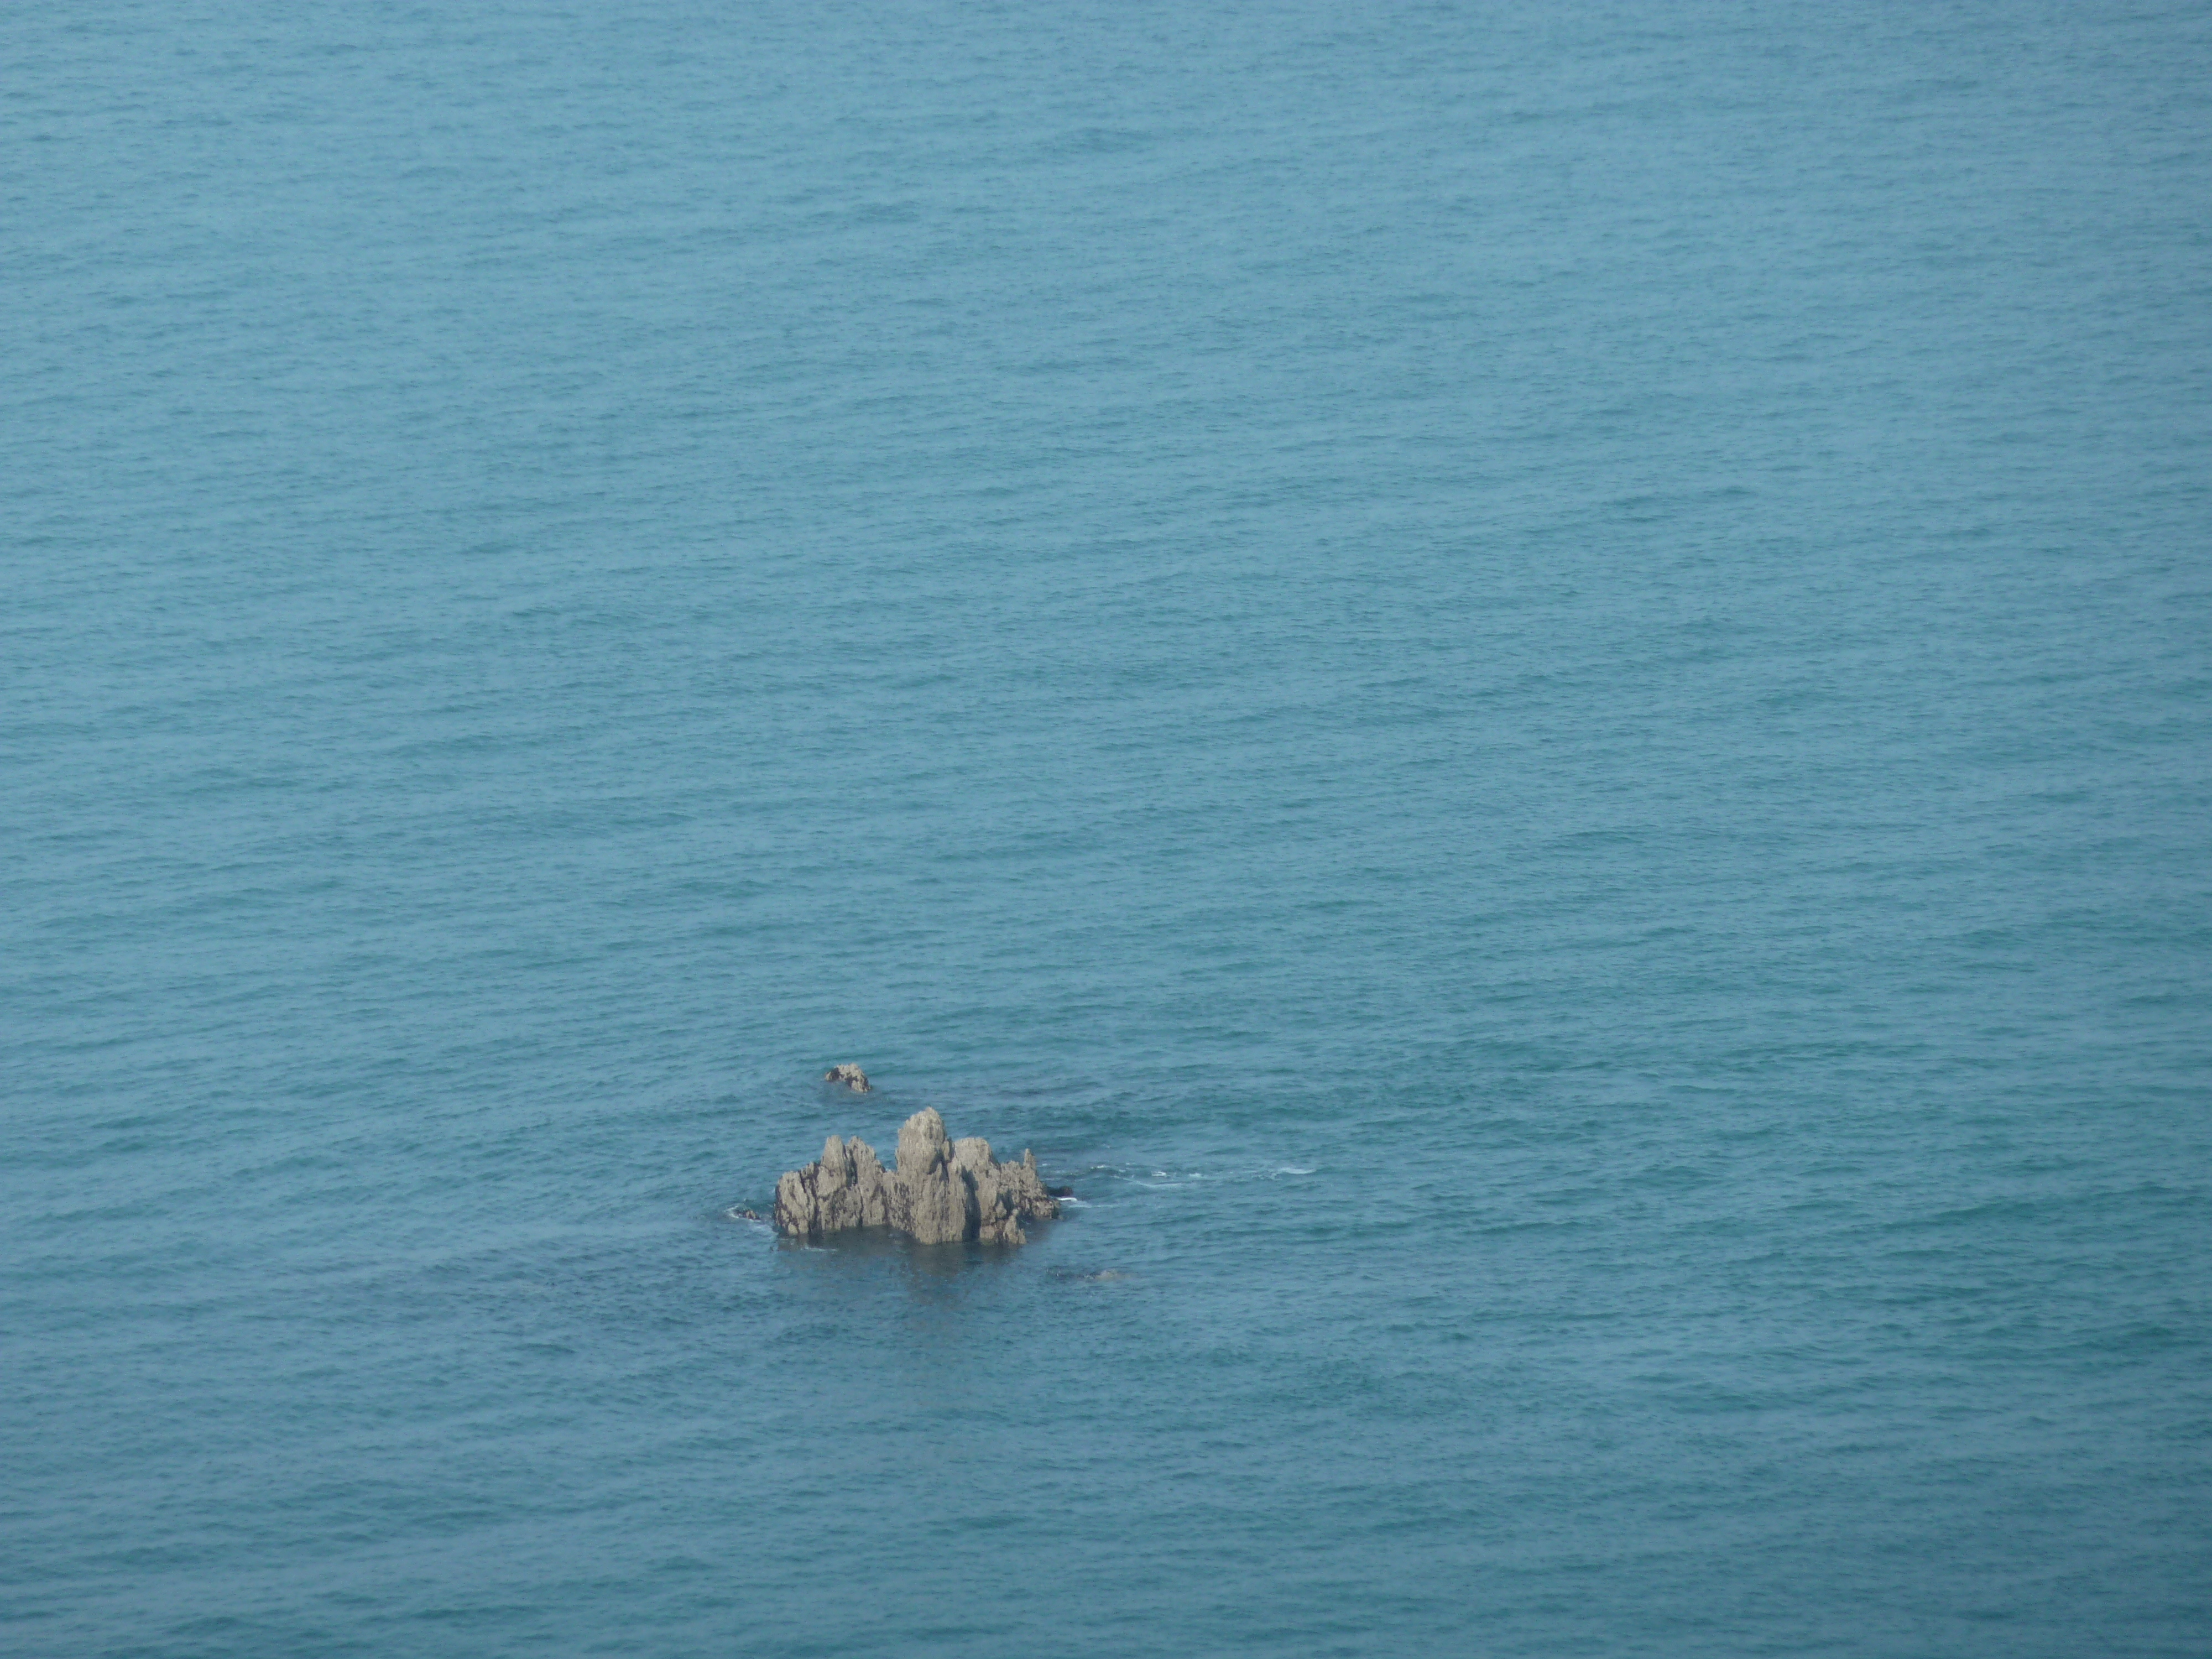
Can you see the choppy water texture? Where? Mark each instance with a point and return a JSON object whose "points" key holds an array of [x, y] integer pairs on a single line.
{"points": [[1529, 684]]}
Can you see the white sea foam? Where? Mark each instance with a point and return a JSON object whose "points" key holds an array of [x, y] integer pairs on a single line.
{"points": [[1177, 1177]]}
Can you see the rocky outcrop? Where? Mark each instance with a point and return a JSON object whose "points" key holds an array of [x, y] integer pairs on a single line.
{"points": [[942, 1190], [848, 1074]]}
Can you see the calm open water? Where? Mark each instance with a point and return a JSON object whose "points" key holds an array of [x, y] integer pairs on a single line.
{"points": [[1533, 684]]}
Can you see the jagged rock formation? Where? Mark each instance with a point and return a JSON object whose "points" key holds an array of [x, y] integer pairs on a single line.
{"points": [[942, 1191], [848, 1074]]}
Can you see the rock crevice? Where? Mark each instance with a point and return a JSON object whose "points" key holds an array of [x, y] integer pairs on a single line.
{"points": [[942, 1190]]}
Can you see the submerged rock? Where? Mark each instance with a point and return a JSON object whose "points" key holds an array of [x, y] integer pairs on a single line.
{"points": [[942, 1190], [848, 1074]]}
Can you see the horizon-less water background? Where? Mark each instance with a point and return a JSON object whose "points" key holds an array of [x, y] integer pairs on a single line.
{"points": [[1530, 684]]}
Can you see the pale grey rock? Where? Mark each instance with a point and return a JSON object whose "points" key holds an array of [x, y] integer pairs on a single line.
{"points": [[942, 1191], [846, 1187], [923, 1145], [941, 1195], [848, 1074]]}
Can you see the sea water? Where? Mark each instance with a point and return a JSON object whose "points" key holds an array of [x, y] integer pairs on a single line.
{"points": [[1531, 684]]}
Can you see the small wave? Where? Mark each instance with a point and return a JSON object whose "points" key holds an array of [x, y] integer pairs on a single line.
{"points": [[1176, 1177]]}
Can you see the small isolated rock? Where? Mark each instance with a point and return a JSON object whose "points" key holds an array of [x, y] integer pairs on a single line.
{"points": [[848, 1074], [942, 1190]]}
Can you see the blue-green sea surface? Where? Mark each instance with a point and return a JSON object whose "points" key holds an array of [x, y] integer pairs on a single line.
{"points": [[1531, 684]]}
